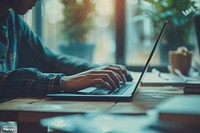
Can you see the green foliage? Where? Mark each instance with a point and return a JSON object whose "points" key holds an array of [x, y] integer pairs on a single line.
{"points": [[78, 22], [179, 14]]}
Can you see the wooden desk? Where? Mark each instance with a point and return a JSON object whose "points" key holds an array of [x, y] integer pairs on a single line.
{"points": [[27, 112]]}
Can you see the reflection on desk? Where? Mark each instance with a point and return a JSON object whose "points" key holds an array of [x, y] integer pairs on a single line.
{"points": [[99, 123]]}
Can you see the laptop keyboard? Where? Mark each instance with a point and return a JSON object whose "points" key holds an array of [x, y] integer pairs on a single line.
{"points": [[102, 91]]}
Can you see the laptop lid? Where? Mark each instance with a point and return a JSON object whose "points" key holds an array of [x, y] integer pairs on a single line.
{"points": [[150, 57], [127, 96]]}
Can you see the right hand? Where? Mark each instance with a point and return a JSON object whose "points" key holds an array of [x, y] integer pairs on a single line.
{"points": [[105, 77]]}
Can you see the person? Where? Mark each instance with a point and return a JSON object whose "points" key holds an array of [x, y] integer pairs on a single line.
{"points": [[28, 68]]}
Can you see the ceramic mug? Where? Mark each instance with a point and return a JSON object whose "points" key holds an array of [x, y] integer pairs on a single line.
{"points": [[180, 59]]}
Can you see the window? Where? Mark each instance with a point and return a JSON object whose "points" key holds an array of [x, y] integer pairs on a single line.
{"points": [[142, 30], [99, 40], [120, 34], [139, 33]]}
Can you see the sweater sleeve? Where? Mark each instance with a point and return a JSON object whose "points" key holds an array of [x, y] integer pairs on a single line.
{"points": [[28, 82]]}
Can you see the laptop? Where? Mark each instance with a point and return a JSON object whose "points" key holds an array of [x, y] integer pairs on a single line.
{"points": [[124, 93]]}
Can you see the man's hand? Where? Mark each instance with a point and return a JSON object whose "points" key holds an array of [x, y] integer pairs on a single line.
{"points": [[107, 77]]}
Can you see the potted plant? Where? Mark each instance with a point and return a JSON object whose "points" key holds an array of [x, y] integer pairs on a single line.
{"points": [[77, 25], [179, 14]]}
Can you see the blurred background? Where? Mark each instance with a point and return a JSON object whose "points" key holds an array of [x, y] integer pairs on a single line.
{"points": [[115, 31]]}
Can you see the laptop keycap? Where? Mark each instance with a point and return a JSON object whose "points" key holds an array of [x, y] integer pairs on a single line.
{"points": [[103, 91], [100, 91], [122, 89]]}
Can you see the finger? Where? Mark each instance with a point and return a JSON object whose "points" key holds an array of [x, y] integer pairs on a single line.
{"points": [[122, 68], [105, 78], [115, 77], [119, 73], [102, 83], [112, 75]]}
